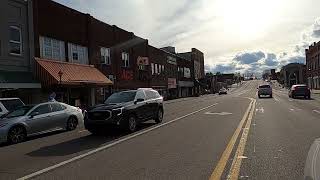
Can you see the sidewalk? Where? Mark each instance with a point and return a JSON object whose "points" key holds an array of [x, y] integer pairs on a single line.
{"points": [[315, 94]]}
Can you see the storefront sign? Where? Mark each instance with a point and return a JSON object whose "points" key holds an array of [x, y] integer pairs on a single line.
{"points": [[171, 60], [186, 73], [186, 83], [172, 83], [143, 61], [126, 74]]}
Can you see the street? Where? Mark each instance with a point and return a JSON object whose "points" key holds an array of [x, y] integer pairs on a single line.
{"points": [[206, 137]]}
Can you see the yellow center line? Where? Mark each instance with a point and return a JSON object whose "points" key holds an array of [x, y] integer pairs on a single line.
{"points": [[216, 175], [236, 163]]}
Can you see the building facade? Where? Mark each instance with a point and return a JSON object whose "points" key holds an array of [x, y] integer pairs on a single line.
{"points": [[62, 47], [313, 66], [293, 73], [16, 59], [197, 69]]}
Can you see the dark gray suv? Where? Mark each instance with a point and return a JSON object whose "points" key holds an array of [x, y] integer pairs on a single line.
{"points": [[125, 109]]}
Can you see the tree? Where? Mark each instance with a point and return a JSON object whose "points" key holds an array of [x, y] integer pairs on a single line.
{"points": [[218, 73]]}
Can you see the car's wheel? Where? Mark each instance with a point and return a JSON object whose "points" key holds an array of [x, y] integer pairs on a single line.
{"points": [[17, 134], [270, 95], [132, 124], [72, 123], [159, 117], [259, 96], [309, 97]]}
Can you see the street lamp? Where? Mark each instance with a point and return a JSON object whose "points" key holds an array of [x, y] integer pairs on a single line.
{"points": [[60, 73], [311, 80]]}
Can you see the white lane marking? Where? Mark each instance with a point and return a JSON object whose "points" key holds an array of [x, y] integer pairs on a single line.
{"points": [[291, 109], [37, 173], [260, 110], [82, 131], [276, 99], [218, 113], [316, 111], [290, 100]]}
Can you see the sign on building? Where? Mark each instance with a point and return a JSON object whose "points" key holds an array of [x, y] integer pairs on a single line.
{"points": [[172, 83], [171, 60], [186, 73]]}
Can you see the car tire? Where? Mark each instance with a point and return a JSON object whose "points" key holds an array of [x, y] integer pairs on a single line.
{"points": [[259, 96], [159, 117], [131, 125], [271, 96], [72, 123], [309, 97], [17, 134]]}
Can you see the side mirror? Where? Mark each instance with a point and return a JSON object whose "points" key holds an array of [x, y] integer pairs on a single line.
{"points": [[34, 114], [139, 100]]}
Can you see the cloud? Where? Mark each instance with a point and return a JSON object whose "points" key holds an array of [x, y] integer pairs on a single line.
{"points": [[248, 58]]}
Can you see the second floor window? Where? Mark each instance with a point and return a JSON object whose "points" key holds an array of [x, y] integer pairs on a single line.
{"points": [[15, 42], [125, 59], [51, 48], [105, 56], [78, 54]]}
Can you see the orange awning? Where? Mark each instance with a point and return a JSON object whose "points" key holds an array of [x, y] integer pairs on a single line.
{"points": [[72, 74]]}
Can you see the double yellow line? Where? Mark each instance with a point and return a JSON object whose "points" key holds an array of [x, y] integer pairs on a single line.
{"points": [[236, 163]]}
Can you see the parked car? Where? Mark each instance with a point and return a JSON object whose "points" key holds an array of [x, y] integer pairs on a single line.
{"points": [[223, 91], [299, 90], [31, 120], [9, 104], [125, 109], [265, 90]]}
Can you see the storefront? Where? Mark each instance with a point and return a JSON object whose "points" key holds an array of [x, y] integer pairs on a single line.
{"points": [[185, 88], [172, 88], [19, 84], [74, 84]]}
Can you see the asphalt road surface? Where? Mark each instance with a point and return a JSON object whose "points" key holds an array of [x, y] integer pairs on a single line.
{"points": [[208, 137]]}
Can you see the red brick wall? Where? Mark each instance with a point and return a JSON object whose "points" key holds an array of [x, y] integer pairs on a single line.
{"points": [[57, 21], [158, 56]]}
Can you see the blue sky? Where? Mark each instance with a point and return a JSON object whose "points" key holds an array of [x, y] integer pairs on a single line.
{"points": [[235, 35]]}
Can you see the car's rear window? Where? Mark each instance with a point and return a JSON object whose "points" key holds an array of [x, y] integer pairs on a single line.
{"points": [[301, 87], [12, 104], [264, 86]]}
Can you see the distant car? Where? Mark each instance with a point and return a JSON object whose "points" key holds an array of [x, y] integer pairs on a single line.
{"points": [[9, 104], [223, 91], [126, 110], [265, 90], [31, 120], [299, 90]]}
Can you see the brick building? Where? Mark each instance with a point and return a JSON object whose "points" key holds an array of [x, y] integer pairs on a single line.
{"points": [[197, 59], [313, 65], [118, 54]]}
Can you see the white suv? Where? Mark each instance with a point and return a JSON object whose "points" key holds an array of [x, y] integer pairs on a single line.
{"points": [[9, 104]]}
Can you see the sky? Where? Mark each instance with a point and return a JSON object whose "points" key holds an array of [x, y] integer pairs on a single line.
{"points": [[246, 36]]}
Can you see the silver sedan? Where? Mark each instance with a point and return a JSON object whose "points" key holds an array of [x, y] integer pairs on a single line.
{"points": [[32, 120]]}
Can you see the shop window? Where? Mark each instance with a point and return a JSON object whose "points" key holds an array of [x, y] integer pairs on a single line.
{"points": [[152, 68]]}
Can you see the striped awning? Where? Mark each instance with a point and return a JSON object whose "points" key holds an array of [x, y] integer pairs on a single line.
{"points": [[49, 72]]}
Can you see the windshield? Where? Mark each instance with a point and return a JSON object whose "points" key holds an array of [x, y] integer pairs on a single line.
{"points": [[264, 86], [12, 104], [121, 97], [21, 111]]}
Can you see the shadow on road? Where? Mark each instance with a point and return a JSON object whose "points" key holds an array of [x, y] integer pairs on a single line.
{"points": [[83, 143], [302, 98]]}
